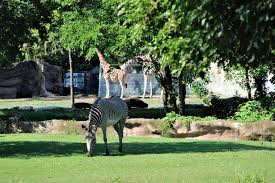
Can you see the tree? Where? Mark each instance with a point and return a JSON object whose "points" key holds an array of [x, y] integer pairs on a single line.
{"points": [[15, 22], [164, 29], [240, 35], [83, 29], [19, 23]]}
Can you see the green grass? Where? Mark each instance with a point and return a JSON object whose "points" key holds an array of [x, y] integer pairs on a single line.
{"points": [[64, 101], [155, 108], [61, 158]]}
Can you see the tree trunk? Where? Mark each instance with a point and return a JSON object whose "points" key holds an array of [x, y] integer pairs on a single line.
{"points": [[164, 78], [71, 78], [182, 94], [247, 83], [169, 97], [260, 86]]}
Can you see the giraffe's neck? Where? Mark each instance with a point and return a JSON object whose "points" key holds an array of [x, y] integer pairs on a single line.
{"points": [[105, 65]]}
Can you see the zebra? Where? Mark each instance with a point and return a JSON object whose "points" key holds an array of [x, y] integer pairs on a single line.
{"points": [[103, 113]]}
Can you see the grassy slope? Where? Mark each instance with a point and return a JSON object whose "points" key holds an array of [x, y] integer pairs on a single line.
{"points": [[60, 158]]}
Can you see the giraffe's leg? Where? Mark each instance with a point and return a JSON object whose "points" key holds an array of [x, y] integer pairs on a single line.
{"points": [[151, 87], [104, 130], [122, 84], [145, 84], [161, 92], [107, 88]]}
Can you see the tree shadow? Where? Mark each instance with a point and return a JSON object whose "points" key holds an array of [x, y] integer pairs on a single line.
{"points": [[27, 149]]}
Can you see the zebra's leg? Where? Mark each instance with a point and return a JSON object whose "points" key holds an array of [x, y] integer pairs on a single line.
{"points": [[119, 126], [104, 130]]}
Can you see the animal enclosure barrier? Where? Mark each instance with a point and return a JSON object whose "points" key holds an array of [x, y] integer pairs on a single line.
{"points": [[135, 85]]}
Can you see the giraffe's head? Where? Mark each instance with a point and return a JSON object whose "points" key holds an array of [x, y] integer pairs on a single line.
{"points": [[90, 138]]}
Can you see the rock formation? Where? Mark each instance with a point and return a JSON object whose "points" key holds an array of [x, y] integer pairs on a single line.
{"points": [[53, 78], [28, 79], [24, 80]]}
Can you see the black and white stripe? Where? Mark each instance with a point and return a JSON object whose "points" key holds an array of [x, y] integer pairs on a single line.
{"points": [[103, 113]]}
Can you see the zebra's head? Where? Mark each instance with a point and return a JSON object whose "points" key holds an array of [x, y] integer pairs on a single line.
{"points": [[90, 138]]}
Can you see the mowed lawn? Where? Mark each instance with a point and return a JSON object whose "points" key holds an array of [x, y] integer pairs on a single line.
{"points": [[43, 158], [64, 101]]}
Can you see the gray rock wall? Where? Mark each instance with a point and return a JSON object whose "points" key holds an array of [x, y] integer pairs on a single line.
{"points": [[28, 79], [24, 80]]}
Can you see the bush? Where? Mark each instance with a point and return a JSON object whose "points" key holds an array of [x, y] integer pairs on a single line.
{"points": [[3, 127], [224, 108], [199, 89], [170, 118], [253, 111]]}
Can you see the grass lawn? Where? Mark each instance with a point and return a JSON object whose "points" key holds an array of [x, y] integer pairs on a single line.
{"points": [[61, 158], [155, 108], [64, 101]]}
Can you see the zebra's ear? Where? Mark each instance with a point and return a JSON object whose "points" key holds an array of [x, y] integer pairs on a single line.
{"points": [[84, 127]]}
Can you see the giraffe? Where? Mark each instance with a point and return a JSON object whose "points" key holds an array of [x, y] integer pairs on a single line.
{"points": [[111, 74], [147, 68]]}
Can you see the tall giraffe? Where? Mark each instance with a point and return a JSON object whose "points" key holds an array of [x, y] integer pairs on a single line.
{"points": [[111, 74], [147, 68]]}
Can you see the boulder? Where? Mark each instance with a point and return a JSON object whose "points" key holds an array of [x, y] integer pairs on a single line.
{"points": [[136, 103], [24, 80], [53, 78]]}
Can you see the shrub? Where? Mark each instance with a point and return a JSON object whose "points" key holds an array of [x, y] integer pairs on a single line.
{"points": [[3, 127], [253, 111], [224, 108], [170, 118], [199, 89]]}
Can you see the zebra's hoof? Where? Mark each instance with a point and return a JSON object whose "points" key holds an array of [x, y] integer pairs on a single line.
{"points": [[89, 154]]}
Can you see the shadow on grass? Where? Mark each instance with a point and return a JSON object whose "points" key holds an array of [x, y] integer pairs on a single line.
{"points": [[27, 149]]}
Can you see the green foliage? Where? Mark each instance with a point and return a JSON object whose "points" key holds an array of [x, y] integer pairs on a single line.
{"points": [[164, 28], [172, 117], [224, 108], [83, 29], [253, 111], [22, 22], [3, 127], [235, 46], [237, 74], [199, 89], [15, 20], [168, 120]]}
